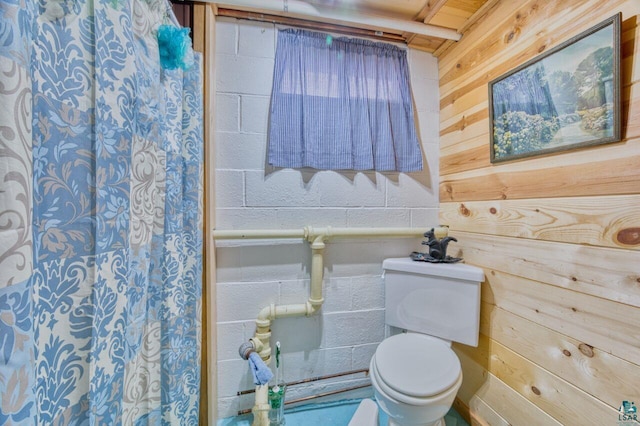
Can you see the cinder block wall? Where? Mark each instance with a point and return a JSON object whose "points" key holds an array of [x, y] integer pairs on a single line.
{"points": [[249, 194]]}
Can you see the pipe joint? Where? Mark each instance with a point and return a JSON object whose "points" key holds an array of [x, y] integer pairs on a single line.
{"points": [[266, 315], [314, 305], [256, 343], [318, 243]]}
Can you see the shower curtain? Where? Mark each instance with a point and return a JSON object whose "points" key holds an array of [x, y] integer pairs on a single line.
{"points": [[100, 217]]}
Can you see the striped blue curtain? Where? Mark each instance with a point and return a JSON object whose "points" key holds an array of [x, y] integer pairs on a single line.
{"points": [[100, 218], [340, 103]]}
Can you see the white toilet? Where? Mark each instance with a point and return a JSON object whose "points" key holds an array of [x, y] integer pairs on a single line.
{"points": [[416, 375]]}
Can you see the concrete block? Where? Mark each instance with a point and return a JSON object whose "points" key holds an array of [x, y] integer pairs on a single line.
{"points": [[245, 218], [337, 295], [229, 407], [244, 75], [229, 188], [424, 218], [242, 151], [256, 39], [233, 376], [362, 354], [401, 247], [346, 258], [428, 127], [345, 189], [422, 64], [414, 189], [228, 266], [254, 116], [294, 291], [291, 261], [352, 328], [226, 36], [312, 363], [230, 336], [320, 217], [267, 261], [311, 389], [243, 301], [378, 217], [367, 292], [288, 188], [298, 334], [227, 112], [284, 188], [426, 94]]}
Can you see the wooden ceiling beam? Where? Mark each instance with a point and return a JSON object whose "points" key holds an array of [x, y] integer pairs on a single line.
{"points": [[429, 10]]}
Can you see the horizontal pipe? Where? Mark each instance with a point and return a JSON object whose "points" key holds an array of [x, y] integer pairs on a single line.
{"points": [[255, 234], [320, 395], [309, 233], [341, 15], [313, 379]]}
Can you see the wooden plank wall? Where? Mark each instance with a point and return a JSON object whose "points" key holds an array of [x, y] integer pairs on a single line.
{"points": [[202, 21], [557, 236]]}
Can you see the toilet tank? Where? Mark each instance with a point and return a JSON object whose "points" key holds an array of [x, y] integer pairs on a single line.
{"points": [[438, 299]]}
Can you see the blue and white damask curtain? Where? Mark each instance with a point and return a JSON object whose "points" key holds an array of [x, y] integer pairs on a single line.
{"points": [[100, 217]]}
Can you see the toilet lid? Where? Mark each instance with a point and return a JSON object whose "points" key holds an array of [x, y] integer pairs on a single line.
{"points": [[417, 365]]}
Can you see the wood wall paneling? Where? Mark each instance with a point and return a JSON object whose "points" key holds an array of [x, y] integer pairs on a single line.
{"points": [[481, 388], [558, 236], [558, 398], [596, 221], [605, 376]]}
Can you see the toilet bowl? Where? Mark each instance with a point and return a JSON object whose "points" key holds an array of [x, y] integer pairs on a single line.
{"points": [[416, 375], [415, 379]]}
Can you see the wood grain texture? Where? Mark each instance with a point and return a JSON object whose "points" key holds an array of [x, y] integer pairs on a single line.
{"points": [[601, 324], [607, 273], [558, 235], [481, 414], [209, 372], [561, 400], [481, 388], [614, 171], [429, 10], [426, 44], [612, 221], [608, 378], [516, 32]]}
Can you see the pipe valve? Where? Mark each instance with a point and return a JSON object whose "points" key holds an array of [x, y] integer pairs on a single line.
{"points": [[245, 350]]}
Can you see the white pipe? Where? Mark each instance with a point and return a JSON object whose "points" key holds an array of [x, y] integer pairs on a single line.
{"points": [[342, 16], [309, 233], [254, 234], [317, 237], [261, 407], [317, 272]]}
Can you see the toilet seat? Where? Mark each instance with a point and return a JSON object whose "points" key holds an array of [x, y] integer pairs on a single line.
{"points": [[415, 366]]}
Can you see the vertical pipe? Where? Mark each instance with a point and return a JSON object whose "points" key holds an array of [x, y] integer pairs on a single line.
{"points": [[261, 408], [317, 272]]}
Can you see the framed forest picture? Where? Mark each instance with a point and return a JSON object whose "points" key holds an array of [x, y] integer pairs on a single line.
{"points": [[566, 98]]}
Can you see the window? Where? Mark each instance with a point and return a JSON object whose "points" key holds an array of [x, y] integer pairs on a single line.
{"points": [[341, 104]]}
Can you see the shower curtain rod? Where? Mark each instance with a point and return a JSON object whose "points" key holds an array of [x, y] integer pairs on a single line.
{"points": [[304, 10]]}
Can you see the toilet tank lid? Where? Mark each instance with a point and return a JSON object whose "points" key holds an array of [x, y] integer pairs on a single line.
{"points": [[458, 271]]}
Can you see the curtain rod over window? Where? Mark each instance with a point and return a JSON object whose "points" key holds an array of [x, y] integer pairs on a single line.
{"points": [[297, 8]]}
